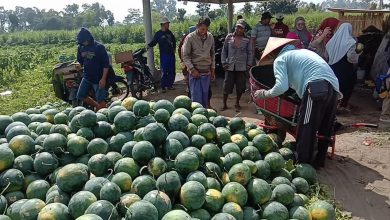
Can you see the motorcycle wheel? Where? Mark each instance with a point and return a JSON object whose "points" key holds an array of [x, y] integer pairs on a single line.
{"points": [[119, 90]]}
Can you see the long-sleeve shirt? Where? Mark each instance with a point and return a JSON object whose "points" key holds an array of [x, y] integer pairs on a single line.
{"points": [[352, 56], [199, 53], [296, 68], [166, 42], [237, 55]]}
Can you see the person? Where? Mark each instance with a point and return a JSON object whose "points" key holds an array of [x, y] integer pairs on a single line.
{"points": [[260, 34], [248, 28], [385, 113], [322, 36], [341, 50], [316, 85], [236, 59], [301, 33], [280, 29], [167, 44], [93, 56], [199, 58], [184, 69]]}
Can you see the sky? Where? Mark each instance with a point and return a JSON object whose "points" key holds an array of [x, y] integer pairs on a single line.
{"points": [[118, 7]]}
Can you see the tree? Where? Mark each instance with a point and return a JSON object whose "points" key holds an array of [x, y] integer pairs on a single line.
{"points": [[3, 18], [283, 6], [203, 9], [165, 7], [359, 4], [247, 9], [13, 22], [72, 10], [180, 14], [133, 17]]}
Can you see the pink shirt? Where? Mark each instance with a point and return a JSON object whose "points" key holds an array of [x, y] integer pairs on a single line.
{"points": [[293, 35]]}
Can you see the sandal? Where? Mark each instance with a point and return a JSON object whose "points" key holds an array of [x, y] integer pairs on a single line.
{"points": [[223, 108], [238, 108]]}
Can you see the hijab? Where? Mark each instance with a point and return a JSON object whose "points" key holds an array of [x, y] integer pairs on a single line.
{"points": [[304, 34], [333, 23], [340, 43]]}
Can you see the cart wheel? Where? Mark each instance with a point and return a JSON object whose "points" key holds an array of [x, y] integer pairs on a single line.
{"points": [[281, 132]]}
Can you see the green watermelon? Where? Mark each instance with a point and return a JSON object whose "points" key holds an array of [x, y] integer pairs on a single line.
{"points": [[169, 183], [223, 135], [110, 192], [230, 147], [201, 111], [283, 193], [198, 141], [197, 176], [250, 153], [16, 131], [182, 111], [6, 157], [77, 146], [89, 217], [164, 104], [12, 125], [128, 148], [213, 183], [55, 143], [223, 216], [275, 161], [214, 200], [280, 180], [112, 112], [240, 173], [305, 171], [259, 191], [61, 129], [322, 210], [11, 180], [61, 118], [144, 121], [38, 118], [208, 131], [45, 163], [182, 101], [299, 212], [191, 130], [94, 185], [234, 209], [129, 102], [101, 117], [275, 211], [142, 210], [157, 166], [197, 152], [3, 204], [162, 116], [141, 108], [13, 210], [99, 164], [235, 192], [104, 209], [236, 124], [220, 121], [211, 153], [96, 146], [50, 113], [13, 197], [178, 122], [155, 133], [123, 180], [180, 136], [33, 126], [199, 119], [192, 195], [75, 111], [87, 133], [230, 160], [301, 185], [127, 165], [37, 190], [55, 211], [263, 143], [72, 177], [142, 185], [21, 117], [87, 118], [212, 170], [172, 148], [252, 133], [186, 162], [177, 215], [160, 200], [114, 156], [80, 202], [287, 154], [240, 140], [102, 130], [126, 201], [5, 120], [125, 121], [143, 151]]}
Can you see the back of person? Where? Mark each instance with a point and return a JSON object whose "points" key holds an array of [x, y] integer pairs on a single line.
{"points": [[261, 33]]}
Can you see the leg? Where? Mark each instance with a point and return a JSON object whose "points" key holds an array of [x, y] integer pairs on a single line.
{"points": [[195, 89], [83, 91], [101, 96], [210, 95], [172, 71], [164, 64], [205, 85], [240, 87], [228, 84]]}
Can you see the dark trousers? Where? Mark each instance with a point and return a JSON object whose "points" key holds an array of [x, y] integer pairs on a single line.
{"points": [[315, 117], [347, 76], [168, 70]]}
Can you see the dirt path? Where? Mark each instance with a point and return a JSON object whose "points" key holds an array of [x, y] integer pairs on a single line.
{"points": [[359, 174]]}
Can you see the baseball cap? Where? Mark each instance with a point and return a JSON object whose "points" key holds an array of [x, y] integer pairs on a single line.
{"points": [[164, 20], [241, 23], [279, 16], [266, 15]]}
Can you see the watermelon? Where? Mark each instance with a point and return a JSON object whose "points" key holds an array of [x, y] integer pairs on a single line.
{"points": [[155, 133], [125, 121], [6, 157], [57, 196], [250, 213], [37, 190], [61, 118], [162, 116], [11, 180], [110, 192], [16, 131], [24, 163], [96, 146], [55, 143], [198, 141], [223, 216], [240, 140], [138, 134], [55, 211], [75, 111], [283, 193], [112, 112], [178, 122], [199, 119], [80, 202], [14, 124], [89, 217], [211, 153], [191, 130], [223, 135], [77, 146], [157, 166], [208, 131], [280, 180], [301, 185], [38, 118], [180, 136], [127, 148], [50, 113], [21, 117], [201, 111], [123, 180], [287, 154], [87, 133], [83, 159], [182, 101], [199, 177], [5, 120], [252, 166], [72, 177], [275, 161], [305, 171], [213, 183], [126, 201], [275, 211], [240, 173], [230, 147], [101, 117], [45, 163], [235, 192], [104, 209], [143, 151], [94, 185], [192, 195], [182, 111], [299, 212], [13, 210], [172, 148], [143, 121], [142, 210], [33, 126], [164, 104], [160, 200], [102, 130], [251, 153], [212, 170], [186, 162], [142, 185], [99, 164], [234, 209], [236, 124], [263, 143], [177, 215], [129, 102], [61, 129], [220, 121], [127, 165], [141, 108], [169, 183], [87, 118], [214, 200], [252, 133], [322, 210], [259, 191]]}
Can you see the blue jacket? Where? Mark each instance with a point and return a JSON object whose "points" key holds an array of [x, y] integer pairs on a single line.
{"points": [[92, 57], [166, 41]]}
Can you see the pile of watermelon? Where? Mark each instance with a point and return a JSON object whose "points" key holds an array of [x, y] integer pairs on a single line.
{"points": [[148, 160]]}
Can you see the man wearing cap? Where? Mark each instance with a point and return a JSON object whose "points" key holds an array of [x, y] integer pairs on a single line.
{"points": [[280, 29], [316, 85], [248, 28], [199, 58], [167, 44], [236, 59], [260, 34]]}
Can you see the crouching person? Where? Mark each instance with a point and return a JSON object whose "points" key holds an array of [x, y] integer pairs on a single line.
{"points": [[199, 58], [317, 86]]}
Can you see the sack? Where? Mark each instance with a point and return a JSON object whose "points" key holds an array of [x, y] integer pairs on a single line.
{"points": [[318, 90]]}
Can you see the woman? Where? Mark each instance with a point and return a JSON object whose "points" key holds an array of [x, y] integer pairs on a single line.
{"points": [[322, 36], [301, 33], [341, 49]]}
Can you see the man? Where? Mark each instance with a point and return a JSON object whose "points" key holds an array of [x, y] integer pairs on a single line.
{"points": [[199, 58], [93, 57], [260, 34], [317, 86], [248, 28], [280, 29], [167, 44], [179, 51], [236, 59]]}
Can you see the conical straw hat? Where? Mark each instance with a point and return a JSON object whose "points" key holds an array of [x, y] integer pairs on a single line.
{"points": [[273, 44]]}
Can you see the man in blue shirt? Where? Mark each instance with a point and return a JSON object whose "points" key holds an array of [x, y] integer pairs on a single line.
{"points": [[92, 55], [167, 44], [317, 86]]}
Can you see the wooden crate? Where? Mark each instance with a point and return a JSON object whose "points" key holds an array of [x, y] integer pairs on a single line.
{"points": [[123, 57]]}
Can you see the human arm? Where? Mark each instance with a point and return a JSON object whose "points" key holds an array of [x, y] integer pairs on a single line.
{"points": [[212, 54], [224, 54], [250, 55], [281, 81], [80, 58], [155, 40], [104, 59], [253, 38], [352, 56], [187, 59]]}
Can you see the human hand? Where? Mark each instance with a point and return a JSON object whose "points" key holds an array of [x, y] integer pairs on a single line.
{"points": [[102, 83], [261, 93], [225, 66], [194, 73], [212, 74], [327, 31]]}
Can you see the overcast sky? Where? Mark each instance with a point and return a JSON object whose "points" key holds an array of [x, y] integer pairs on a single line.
{"points": [[118, 7]]}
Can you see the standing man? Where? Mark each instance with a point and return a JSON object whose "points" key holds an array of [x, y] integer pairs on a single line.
{"points": [[236, 58], [260, 34], [280, 29], [317, 86], [167, 44], [184, 69], [199, 58], [248, 28], [92, 55]]}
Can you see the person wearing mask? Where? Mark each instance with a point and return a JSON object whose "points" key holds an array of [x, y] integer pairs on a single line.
{"points": [[301, 33], [343, 58], [199, 58], [316, 85], [261, 33], [322, 36], [93, 56], [167, 44], [280, 29], [236, 59]]}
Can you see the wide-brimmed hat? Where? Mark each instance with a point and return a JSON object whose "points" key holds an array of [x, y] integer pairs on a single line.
{"points": [[241, 23], [273, 44], [164, 20]]}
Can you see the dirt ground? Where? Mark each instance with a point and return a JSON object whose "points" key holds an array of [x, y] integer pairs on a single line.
{"points": [[359, 174]]}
